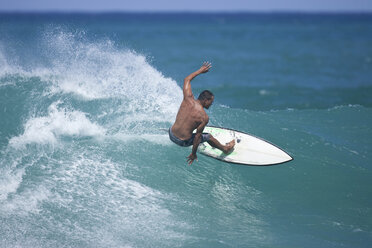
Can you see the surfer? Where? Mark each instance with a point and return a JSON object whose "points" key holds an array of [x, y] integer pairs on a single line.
{"points": [[191, 115]]}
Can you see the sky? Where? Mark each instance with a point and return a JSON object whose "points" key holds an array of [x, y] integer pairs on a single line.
{"points": [[187, 5]]}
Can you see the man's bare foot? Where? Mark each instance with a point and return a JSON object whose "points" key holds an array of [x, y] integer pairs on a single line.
{"points": [[229, 146]]}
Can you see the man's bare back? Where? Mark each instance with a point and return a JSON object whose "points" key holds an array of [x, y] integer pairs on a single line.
{"points": [[191, 115]]}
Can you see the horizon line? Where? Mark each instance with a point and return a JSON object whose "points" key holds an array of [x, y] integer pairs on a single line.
{"points": [[51, 11]]}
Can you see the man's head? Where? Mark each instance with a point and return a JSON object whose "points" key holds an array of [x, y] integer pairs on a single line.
{"points": [[206, 98]]}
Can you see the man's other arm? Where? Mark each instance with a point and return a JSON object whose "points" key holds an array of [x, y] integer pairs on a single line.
{"points": [[196, 142]]}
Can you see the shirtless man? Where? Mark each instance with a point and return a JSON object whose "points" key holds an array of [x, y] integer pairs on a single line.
{"points": [[191, 115]]}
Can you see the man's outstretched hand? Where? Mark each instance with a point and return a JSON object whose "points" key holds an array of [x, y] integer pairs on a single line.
{"points": [[205, 67], [191, 158]]}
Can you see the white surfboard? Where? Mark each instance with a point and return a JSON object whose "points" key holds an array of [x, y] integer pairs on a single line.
{"points": [[248, 150]]}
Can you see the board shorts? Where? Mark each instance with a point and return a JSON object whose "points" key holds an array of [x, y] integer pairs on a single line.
{"points": [[204, 137]]}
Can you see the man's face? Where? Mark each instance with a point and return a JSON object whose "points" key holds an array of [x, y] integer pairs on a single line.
{"points": [[209, 102]]}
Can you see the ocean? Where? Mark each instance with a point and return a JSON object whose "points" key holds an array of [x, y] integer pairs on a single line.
{"points": [[84, 161]]}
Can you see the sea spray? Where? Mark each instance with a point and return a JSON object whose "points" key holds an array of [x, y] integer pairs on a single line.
{"points": [[88, 90]]}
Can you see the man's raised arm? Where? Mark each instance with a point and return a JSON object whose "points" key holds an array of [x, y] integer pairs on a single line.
{"points": [[187, 92]]}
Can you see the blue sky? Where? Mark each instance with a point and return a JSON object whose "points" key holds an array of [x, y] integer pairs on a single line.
{"points": [[188, 5]]}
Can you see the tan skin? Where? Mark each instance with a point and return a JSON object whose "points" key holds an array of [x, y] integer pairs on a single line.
{"points": [[191, 115]]}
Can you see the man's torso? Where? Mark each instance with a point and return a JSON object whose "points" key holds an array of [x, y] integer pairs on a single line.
{"points": [[190, 115]]}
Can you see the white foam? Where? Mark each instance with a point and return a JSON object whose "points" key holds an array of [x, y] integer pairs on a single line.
{"points": [[27, 201], [125, 206], [138, 95], [100, 70], [9, 182], [58, 122]]}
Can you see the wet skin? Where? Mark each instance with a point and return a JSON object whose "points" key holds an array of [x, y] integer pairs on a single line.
{"points": [[191, 115]]}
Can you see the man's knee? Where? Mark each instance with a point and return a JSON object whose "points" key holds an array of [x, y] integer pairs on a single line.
{"points": [[207, 137]]}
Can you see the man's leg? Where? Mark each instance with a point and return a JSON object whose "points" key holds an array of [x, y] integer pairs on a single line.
{"points": [[216, 144]]}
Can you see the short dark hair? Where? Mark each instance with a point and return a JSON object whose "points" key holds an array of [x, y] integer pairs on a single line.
{"points": [[205, 95]]}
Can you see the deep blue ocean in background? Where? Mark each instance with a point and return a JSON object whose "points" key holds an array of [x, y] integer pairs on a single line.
{"points": [[84, 162]]}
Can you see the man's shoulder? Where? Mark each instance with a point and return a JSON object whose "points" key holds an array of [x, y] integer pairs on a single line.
{"points": [[189, 100]]}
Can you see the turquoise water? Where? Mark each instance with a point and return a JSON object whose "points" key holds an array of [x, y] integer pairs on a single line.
{"points": [[83, 162]]}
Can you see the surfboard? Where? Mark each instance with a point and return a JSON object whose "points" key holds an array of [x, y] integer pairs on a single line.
{"points": [[248, 150]]}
